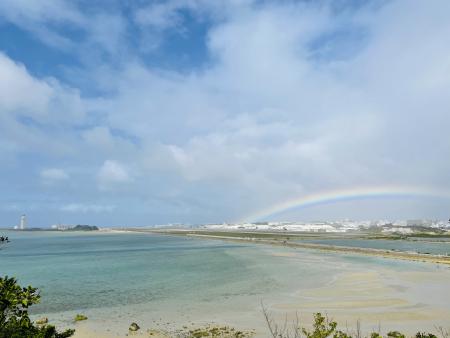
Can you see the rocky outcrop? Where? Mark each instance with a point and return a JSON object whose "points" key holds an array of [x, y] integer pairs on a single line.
{"points": [[134, 327]]}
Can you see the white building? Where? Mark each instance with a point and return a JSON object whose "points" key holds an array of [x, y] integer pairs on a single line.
{"points": [[23, 222], [61, 227]]}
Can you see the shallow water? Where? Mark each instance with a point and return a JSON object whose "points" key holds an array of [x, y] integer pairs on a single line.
{"points": [[90, 270], [420, 246], [118, 277]]}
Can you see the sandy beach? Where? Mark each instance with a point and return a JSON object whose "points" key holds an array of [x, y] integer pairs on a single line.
{"points": [[379, 300]]}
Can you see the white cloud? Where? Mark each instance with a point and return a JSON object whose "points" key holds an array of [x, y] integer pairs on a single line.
{"points": [[44, 100], [54, 174], [19, 91], [31, 107], [113, 172], [264, 119], [86, 208], [99, 137], [267, 120], [169, 14], [108, 32], [39, 17], [45, 10], [159, 15], [52, 21]]}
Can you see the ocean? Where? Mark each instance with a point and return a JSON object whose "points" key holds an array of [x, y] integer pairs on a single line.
{"points": [[116, 278]]}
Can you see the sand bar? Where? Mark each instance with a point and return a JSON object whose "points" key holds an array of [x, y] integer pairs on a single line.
{"points": [[278, 241]]}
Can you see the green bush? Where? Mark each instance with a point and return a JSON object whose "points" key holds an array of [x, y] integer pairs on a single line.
{"points": [[325, 328], [80, 317], [395, 334], [322, 327], [14, 319]]}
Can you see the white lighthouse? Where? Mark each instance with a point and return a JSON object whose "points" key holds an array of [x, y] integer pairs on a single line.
{"points": [[23, 222]]}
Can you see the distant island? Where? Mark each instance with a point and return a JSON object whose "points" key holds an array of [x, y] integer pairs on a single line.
{"points": [[78, 227], [81, 227]]}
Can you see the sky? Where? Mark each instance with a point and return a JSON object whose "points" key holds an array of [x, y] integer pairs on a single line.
{"points": [[132, 113]]}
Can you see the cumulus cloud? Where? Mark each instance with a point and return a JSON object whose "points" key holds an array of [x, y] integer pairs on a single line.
{"points": [[19, 91], [35, 111], [113, 172], [296, 123], [43, 100]]}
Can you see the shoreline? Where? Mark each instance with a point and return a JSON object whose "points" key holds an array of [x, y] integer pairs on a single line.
{"points": [[277, 240]]}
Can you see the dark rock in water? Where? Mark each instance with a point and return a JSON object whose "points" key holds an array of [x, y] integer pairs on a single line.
{"points": [[134, 327], [42, 321]]}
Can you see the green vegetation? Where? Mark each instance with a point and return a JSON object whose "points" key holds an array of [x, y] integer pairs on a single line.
{"points": [[215, 331], [429, 235], [79, 317], [323, 328], [14, 319], [326, 328], [81, 227]]}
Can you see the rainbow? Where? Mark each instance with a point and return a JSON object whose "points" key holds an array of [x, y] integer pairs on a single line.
{"points": [[334, 196]]}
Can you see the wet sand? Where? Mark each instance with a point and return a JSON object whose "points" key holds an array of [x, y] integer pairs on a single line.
{"points": [[395, 300], [411, 256], [383, 300]]}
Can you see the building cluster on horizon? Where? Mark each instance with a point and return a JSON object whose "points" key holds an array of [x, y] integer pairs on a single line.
{"points": [[398, 226], [61, 227]]}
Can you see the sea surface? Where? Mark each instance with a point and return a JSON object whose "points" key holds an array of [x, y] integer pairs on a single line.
{"points": [[77, 271], [116, 278]]}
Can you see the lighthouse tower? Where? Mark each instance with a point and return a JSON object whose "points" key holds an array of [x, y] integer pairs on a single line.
{"points": [[23, 222]]}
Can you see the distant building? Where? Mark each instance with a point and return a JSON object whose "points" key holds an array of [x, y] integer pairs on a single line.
{"points": [[400, 230], [418, 222], [60, 227], [23, 222]]}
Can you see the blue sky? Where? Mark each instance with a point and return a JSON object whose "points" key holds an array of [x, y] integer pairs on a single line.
{"points": [[150, 112]]}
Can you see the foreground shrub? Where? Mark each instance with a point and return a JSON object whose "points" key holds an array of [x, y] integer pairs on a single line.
{"points": [[80, 317], [325, 328], [14, 319]]}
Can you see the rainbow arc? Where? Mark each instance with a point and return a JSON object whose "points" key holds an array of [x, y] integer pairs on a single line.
{"points": [[335, 196]]}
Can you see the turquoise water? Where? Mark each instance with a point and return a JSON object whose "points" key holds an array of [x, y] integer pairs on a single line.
{"points": [[116, 278], [93, 270], [420, 246]]}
